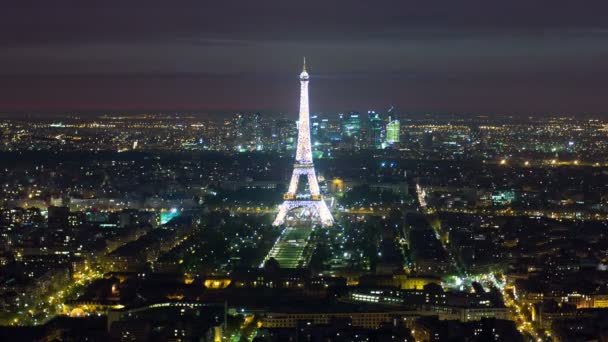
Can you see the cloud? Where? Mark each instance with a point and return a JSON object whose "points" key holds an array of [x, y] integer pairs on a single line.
{"points": [[368, 53]]}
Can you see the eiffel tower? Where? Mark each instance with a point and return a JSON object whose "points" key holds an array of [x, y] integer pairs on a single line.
{"points": [[304, 166]]}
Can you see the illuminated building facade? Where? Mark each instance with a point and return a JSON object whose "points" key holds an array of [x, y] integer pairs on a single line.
{"points": [[304, 166], [376, 131], [392, 132], [248, 131], [350, 124]]}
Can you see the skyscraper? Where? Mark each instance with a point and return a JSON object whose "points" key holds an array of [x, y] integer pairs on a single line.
{"points": [[427, 140], [393, 130], [351, 124], [375, 130], [248, 131]]}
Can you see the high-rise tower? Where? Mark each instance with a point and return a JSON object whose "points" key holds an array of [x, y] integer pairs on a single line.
{"points": [[304, 166], [393, 130]]}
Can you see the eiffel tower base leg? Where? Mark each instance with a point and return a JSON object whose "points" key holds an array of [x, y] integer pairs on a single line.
{"points": [[318, 208]]}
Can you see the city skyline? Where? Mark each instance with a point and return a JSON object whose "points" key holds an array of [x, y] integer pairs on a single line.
{"points": [[445, 178]]}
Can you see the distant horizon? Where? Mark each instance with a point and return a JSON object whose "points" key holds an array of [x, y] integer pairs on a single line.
{"points": [[225, 114]]}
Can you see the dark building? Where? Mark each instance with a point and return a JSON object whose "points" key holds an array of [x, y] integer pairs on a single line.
{"points": [[58, 217]]}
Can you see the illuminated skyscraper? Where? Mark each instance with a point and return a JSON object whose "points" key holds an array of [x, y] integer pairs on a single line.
{"points": [[376, 130], [350, 124], [313, 203], [248, 131], [392, 132]]}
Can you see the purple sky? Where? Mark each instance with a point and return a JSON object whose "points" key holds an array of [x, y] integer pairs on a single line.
{"points": [[520, 57]]}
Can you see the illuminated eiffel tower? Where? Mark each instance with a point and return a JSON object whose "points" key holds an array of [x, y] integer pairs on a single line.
{"points": [[314, 203]]}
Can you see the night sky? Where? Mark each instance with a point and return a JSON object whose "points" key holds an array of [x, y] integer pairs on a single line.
{"points": [[455, 56]]}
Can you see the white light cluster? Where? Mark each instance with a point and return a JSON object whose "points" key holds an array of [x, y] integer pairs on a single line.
{"points": [[304, 167], [309, 172], [304, 149], [318, 209]]}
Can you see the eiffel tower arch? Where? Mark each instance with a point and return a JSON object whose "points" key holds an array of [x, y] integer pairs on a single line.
{"points": [[304, 167]]}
